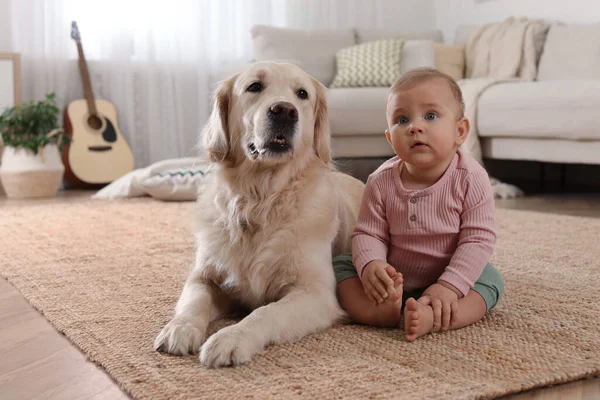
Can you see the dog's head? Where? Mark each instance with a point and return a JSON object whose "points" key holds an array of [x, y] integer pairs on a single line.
{"points": [[269, 114]]}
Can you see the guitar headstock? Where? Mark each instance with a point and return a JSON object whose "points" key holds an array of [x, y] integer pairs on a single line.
{"points": [[75, 32]]}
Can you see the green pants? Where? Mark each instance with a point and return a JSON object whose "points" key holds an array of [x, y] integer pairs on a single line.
{"points": [[490, 284]]}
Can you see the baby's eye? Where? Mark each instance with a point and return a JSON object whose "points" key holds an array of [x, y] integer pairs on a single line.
{"points": [[402, 120], [430, 116]]}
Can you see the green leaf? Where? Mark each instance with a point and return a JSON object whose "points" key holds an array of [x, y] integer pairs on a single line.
{"points": [[26, 125]]}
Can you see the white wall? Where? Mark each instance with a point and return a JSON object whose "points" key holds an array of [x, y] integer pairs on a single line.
{"points": [[409, 15], [5, 27], [449, 14], [395, 15]]}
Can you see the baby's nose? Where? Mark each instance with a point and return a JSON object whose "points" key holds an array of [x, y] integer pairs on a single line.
{"points": [[416, 128]]}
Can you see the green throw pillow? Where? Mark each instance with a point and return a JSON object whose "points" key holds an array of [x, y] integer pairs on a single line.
{"points": [[374, 63]]}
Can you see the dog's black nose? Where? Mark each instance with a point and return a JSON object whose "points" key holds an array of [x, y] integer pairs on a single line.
{"points": [[283, 111]]}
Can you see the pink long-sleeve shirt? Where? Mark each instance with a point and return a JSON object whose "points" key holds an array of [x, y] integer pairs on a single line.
{"points": [[444, 232]]}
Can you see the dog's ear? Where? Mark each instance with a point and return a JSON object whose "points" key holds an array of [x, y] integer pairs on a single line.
{"points": [[322, 136], [215, 136]]}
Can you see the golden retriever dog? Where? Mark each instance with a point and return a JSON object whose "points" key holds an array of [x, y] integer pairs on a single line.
{"points": [[270, 216]]}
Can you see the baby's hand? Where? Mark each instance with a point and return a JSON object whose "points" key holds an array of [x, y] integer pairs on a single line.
{"points": [[379, 280], [444, 302]]}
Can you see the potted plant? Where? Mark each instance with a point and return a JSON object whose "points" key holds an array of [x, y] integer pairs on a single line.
{"points": [[31, 159]]}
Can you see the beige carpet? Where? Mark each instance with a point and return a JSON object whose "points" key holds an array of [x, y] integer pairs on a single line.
{"points": [[108, 274]]}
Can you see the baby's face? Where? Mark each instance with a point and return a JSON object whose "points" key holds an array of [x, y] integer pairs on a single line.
{"points": [[424, 123]]}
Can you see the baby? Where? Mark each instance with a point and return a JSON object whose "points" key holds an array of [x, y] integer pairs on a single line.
{"points": [[426, 227]]}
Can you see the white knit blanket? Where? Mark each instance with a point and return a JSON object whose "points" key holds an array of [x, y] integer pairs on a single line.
{"points": [[498, 52]]}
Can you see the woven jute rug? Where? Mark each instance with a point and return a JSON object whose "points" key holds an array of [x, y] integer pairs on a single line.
{"points": [[108, 274]]}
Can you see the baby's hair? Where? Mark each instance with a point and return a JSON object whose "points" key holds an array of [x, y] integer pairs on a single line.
{"points": [[419, 75]]}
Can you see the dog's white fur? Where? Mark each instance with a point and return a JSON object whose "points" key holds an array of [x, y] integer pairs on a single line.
{"points": [[267, 224]]}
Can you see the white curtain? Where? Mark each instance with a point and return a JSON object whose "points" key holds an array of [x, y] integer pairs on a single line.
{"points": [[156, 61]]}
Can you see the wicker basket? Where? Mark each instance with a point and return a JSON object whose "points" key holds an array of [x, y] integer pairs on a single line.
{"points": [[31, 184], [24, 174]]}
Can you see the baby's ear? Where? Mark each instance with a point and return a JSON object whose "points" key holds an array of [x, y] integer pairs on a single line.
{"points": [[463, 126], [388, 136]]}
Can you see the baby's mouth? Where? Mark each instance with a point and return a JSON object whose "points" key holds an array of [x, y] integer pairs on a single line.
{"points": [[418, 144]]}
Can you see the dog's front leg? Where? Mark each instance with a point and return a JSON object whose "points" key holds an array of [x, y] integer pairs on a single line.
{"points": [[301, 312], [199, 304]]}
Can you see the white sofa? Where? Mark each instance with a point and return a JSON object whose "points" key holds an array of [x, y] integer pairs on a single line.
{"points": [[552, 119], [356, 115]]}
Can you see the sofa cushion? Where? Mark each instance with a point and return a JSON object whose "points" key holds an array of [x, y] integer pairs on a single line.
{"points": [[357, 111], [271, 43], [571, 52], [417, 53], [450, 59], [369, 35], [369, 64], [565, 110]]}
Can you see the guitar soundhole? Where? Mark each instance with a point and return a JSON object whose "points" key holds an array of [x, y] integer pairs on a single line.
{"points": [[94, 122]]}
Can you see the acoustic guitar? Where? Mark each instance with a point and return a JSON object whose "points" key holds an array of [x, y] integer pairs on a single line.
{"points": [[97, 154]]}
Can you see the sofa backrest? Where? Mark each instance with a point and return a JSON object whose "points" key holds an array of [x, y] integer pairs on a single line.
{"points": [[369, 35], [315, 50], [571, 51], [462, 34], [564, 52]]}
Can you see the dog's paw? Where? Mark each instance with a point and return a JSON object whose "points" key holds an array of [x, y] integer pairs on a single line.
{"points": [[181, 336], [229, 347], [505, 190]]}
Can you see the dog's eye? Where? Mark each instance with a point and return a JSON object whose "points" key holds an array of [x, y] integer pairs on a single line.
{"points": [[302, 94], [255, 87]]}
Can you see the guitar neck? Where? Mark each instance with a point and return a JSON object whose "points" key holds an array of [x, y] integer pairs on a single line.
{"points": [[87, 85]]}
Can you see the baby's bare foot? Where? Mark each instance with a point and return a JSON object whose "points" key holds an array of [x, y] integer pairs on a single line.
{"points": [[398, 288], [418, 319], [397, 299], [390, 311]]}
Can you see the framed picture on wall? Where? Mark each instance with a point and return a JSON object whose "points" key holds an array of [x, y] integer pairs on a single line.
{"points": [[10, 87], [10, 80]]}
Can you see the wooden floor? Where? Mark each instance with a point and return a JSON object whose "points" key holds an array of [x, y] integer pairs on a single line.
{"points": [[37, 362]]}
